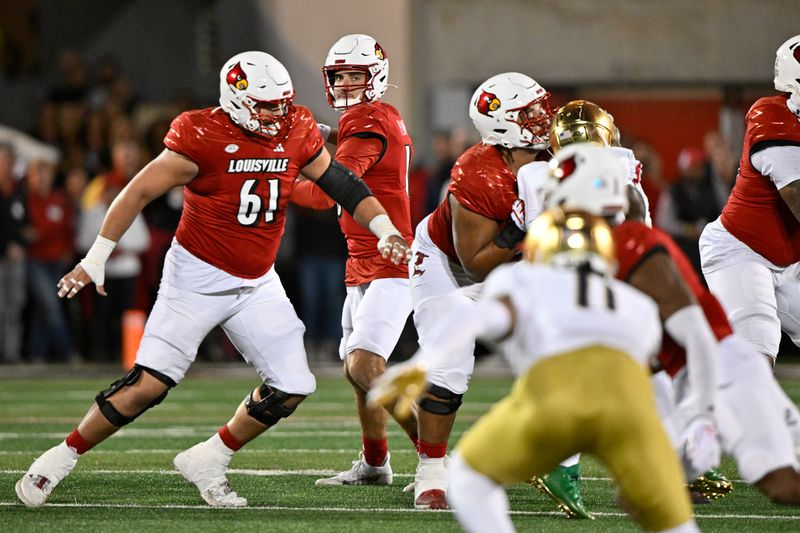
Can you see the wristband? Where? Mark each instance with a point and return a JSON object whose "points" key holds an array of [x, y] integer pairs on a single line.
{"points": [[381, 226]]}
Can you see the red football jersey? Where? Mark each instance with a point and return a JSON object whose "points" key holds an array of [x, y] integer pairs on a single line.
{"points": [[480, 181], [755, 213], [234, 210], [374, 144], [634, 243]]}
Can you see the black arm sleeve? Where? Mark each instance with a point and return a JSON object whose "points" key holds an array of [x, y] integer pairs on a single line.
{"points": [[343, 186]]}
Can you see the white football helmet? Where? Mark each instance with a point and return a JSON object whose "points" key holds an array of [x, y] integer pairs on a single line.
{"points": [[587, 177], [787, 67], [512, 110], [362, 53], [256, 91]]}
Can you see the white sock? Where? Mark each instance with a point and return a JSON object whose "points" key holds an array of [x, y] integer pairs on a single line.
{"points": [[571, 461], [64, 448], [690, 526], [217, 445], [479, 503]]}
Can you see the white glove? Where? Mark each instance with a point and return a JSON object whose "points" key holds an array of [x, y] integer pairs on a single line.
{"points": [[399, 388], [700, 447], [632, 166]]}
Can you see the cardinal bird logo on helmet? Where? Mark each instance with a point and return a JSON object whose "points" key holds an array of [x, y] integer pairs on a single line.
{"points": [[487, 102], [566, 168], [379, 51], [237, 77]]}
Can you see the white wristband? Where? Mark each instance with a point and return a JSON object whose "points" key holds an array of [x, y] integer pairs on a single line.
{"points": [[381, 226], [95, 261], [324, 130], [100, 251]]}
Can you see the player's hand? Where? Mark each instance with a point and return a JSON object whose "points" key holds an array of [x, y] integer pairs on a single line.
{"points": [[395, 248], [517, 215], [72, 283], [399, 388], [700, 447]]}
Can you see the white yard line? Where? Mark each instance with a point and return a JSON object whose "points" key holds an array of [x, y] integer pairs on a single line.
{"points": [[372, 510]]}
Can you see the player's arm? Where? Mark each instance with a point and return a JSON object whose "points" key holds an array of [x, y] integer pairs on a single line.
{"points": [[658, 277], [474, 237], [401, 386], [169, 169], [350, 192]]}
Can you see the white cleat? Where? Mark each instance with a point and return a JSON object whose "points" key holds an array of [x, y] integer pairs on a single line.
{"points": [[205, 468], [430, 483], [44, 474], [361, 474]]}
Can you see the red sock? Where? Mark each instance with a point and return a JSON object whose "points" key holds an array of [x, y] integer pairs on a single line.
{"points": [[375, 451], [414, 440], [78, 443], [432, 451], [228, 439]]}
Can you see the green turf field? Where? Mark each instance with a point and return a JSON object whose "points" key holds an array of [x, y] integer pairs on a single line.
{"points": [[128, 483]]}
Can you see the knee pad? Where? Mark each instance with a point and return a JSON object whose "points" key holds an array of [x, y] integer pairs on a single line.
{"points": [[131, 378], [271, 407], [445, 402]]}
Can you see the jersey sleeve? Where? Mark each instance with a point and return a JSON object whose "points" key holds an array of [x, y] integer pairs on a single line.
{"points": [[472, 188], [767, 125], [306, 128], [635, 242], [362, 139], [306, 194], [182, 138], [360, 152]]}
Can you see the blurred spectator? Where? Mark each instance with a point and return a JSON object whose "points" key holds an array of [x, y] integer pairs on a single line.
{"points": [[445, 157], [13, 230], [720, 164], [321, 253], [50, 252], [689, 204], [653, 181], [73, 83], [124, 265]]}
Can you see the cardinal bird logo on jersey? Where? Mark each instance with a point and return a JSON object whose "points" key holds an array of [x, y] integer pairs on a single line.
{"points": [[379, 52], [237, 77], [487, 102]]}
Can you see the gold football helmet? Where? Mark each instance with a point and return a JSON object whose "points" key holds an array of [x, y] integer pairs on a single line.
{"points": [[570, 238], [582, 121]]}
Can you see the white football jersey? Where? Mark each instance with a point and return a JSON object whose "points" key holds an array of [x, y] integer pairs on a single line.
{"points": [[532, 180], [564, 309]]}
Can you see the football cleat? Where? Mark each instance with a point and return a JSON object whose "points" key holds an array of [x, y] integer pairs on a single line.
{"points": [[44, 474], [712, 485], [202, 466], [362, 473], [563, 486], [430, 483]]}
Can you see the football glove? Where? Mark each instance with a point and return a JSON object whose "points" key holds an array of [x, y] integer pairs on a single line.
{"points": [[399, 388]]}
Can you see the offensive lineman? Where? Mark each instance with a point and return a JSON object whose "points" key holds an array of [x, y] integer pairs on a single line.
{"points": [[475, 228], [238, 163]]}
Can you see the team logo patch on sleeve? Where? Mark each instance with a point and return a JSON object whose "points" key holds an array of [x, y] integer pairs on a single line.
{"points": [[232, 148]]}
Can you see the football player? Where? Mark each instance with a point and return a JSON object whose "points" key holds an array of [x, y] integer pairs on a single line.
{"points": [[720, 371], [751, 254], [238, 164], [476, 227], [372, 141], [581, 121], [561, 314]]}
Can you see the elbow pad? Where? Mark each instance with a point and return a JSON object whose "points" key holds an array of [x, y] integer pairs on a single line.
{"points": [[343, 186]]}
